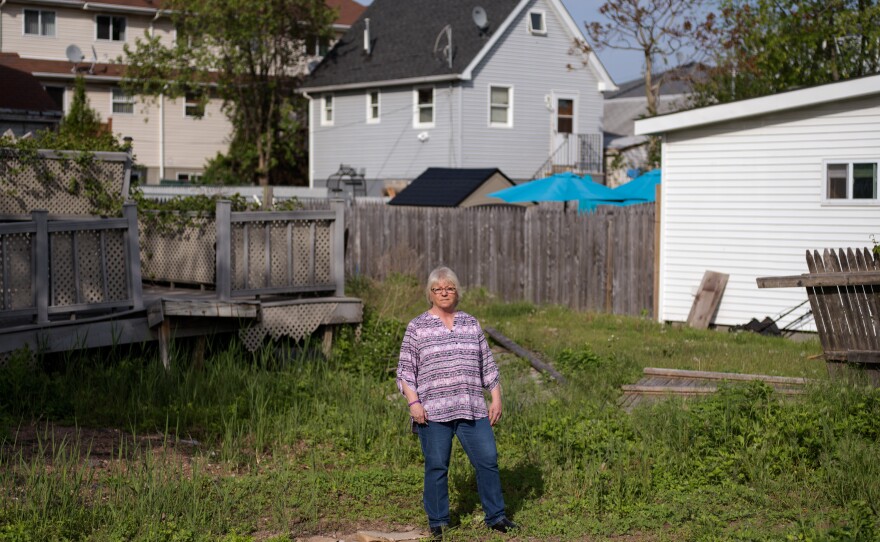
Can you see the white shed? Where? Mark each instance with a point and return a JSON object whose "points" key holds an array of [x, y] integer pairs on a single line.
{"points": [[750, 186]]}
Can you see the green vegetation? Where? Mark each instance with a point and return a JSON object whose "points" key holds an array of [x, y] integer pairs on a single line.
{"points": [[283, 444]]}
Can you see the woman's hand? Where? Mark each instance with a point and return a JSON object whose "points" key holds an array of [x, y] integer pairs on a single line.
{"points": [[495, 405], [417, 411], [495, 411]]}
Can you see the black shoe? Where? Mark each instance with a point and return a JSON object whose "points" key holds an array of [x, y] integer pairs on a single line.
{"points": [[437, 533], [504, 525]]}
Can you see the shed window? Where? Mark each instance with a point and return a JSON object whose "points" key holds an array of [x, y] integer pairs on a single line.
{"points": [[424, 107], [38, 22], [851, 180], [110, 27]]}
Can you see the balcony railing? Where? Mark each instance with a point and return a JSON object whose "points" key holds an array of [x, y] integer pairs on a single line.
{"points": [[579, 153]]}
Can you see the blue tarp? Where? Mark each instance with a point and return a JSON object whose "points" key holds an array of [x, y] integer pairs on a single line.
{"points": [[639, 190], [559, 187]]}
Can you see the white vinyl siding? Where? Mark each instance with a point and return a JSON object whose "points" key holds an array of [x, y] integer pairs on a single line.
{"points": [[38, 22], [747, 198], [501, 106], [423, 107], [122, 102], [373, 106]]}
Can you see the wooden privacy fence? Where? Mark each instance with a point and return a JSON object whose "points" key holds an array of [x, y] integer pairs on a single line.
{"points": [[602, 261], [844, 291]]}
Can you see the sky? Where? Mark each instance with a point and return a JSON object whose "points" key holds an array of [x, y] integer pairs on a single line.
{"points": [[623, 66]]}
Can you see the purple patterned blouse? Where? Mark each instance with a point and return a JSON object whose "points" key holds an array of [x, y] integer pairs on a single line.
{"points": [[449, 369]]}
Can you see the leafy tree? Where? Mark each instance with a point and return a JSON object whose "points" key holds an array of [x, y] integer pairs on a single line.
{"points": [[661, 30], [81, 128], [769, 46], [250, 54]]}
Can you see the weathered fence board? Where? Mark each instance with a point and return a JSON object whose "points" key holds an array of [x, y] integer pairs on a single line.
{"points": [[602, 261]]}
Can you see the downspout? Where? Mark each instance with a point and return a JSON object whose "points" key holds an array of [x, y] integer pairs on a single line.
{"points": [[311, 142], [161, 137], [2, 3]]}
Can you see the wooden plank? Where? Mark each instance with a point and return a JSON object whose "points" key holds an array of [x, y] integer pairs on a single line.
{"points": [[870, 301], [707, 299], [712, 375], [836, 315], [818, 306], [525, 354], [851, 278], [858, 304]]}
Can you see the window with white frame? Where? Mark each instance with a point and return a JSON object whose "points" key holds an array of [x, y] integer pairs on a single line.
{"points": [[424, 107], [500, 106], [327, 110], [110, 27], [122, 102], [373, 106], [39, 22], [189, 177], [194, 105], [537, 23], [851, 181]]}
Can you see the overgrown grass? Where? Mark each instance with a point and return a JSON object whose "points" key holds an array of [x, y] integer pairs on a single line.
{"points": [[284, 444]]}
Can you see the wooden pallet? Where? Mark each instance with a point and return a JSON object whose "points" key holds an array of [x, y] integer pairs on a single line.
{"points": [[662, 383]]}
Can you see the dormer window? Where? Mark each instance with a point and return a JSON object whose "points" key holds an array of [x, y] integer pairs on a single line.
{"points": [[537, 23]]}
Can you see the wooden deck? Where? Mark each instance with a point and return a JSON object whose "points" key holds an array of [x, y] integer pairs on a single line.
{"points": [[657, 384]]}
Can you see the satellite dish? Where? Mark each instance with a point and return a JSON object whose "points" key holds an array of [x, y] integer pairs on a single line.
{"points": [[481, 19], [74, 53]]}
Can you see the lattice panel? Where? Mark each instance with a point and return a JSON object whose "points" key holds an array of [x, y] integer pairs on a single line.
{"points": [[114, 257], [256, 232], [322, 252], [61, 269], [16, 271], [187, 256], [88, 255], [294, 321], [302, 252], [238, 263], [278, 267], [46, 184]]}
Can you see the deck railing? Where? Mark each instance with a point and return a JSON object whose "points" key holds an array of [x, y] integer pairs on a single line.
{"points": [[261, 253], [54, 268]]}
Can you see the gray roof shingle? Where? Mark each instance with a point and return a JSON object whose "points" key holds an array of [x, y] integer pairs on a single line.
{"points": [[403, 35]]}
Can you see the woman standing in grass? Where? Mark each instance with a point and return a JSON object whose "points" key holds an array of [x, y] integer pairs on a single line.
{"points": [[445, 364]]}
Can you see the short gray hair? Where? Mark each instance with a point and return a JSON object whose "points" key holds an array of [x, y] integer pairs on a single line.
{"points": [[442, 273]]}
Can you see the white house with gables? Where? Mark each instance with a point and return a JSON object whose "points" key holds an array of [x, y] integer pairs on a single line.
{"points": [[750, 186], [457, 84]]}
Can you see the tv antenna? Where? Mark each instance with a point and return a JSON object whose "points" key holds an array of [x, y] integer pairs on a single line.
{"points": [[94, 60], [481, 18], [74, 54], [444, 51]]}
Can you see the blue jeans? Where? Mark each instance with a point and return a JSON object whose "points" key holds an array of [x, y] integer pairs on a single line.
{"points": [[478, 441]]}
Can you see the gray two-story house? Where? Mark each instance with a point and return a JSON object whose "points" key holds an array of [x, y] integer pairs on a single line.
{"points": [[457, 84]]}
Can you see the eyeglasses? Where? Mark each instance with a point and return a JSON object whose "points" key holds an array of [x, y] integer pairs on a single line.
{"points": [[448, 290]]}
